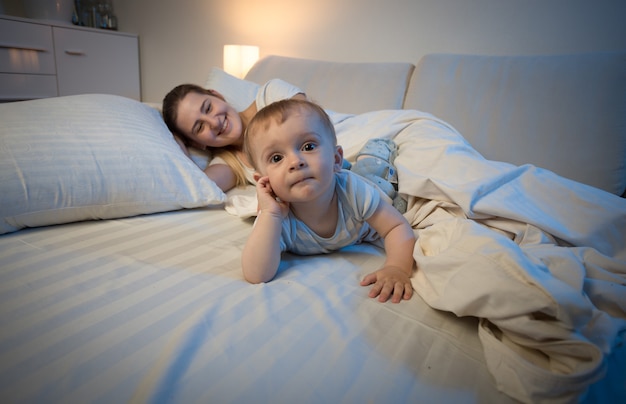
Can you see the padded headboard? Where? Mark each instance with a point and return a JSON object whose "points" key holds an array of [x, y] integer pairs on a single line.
{"points": [[341, 87], [566, 113]]}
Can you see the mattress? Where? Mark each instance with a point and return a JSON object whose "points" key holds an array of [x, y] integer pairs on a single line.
{"points": [[154, 309]]}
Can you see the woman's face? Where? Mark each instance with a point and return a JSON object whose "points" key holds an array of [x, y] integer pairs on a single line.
{"points": [[207, 120]]}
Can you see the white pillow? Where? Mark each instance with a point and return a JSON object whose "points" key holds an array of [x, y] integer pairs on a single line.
{"points": [[92, 156], [237, 92]]}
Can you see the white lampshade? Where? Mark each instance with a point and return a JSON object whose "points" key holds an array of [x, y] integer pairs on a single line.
{"points": [[238, 59]]}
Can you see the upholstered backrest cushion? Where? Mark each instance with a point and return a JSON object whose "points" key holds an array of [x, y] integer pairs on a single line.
{"points": [[341, 87], [566, 113]]}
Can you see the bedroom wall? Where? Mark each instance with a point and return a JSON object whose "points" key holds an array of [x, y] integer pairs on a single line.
{"points": [[181, 39]]}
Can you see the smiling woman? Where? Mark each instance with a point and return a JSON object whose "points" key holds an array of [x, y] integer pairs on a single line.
{"points": [[203, 118]]}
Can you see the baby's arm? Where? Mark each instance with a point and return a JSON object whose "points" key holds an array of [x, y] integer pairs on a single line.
{"points": [[394, 278], [261, 254]]}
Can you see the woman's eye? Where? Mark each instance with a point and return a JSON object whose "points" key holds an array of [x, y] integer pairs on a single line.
{"points": [[309, 146]]}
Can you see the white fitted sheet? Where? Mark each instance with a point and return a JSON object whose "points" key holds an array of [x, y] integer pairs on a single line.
{"points": [[154, 309]]}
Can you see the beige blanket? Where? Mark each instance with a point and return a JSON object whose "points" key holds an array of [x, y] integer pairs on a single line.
{"points": [[540, 259]]}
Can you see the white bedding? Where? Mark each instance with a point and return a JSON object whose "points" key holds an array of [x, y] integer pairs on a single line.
{"points": [[154, 309]]}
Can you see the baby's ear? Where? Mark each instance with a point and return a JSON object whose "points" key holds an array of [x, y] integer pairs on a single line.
{"points": [[256, 176], [338, 158]]}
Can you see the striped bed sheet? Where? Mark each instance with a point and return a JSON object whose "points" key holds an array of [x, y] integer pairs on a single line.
{"points": [[154, 309]]}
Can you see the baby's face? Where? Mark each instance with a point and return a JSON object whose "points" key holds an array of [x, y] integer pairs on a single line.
{"points": [[298, 156]]}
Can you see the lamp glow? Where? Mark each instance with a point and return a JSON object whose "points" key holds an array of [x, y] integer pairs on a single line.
{"points": [[238, 59]]}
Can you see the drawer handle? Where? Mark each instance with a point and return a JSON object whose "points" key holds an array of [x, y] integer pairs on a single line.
{"points": [[21, 47], [75, 52]]}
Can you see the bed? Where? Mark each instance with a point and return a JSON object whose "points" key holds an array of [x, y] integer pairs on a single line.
{"points": [[120, 274]]}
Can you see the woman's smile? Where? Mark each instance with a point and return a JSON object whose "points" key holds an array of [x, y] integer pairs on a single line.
{"points": [[225, 126]]}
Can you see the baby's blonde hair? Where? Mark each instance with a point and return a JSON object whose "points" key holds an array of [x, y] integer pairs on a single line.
{"points": [[278, 112]]}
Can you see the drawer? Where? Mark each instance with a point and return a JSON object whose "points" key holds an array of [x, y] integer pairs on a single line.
{"points": [[26, 48], [96, 62], [15, 87]]}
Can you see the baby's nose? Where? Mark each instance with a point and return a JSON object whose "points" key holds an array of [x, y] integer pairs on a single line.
{"points": [[296, 161]]}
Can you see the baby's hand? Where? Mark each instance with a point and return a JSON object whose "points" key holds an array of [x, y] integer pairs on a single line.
{"points": [[267, 200], [389, 282]]}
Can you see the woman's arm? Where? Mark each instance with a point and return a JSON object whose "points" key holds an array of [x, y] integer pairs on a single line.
{"points": [[394, 278], [223, 176]]}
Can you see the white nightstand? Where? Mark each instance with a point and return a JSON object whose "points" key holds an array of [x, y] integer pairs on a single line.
{"points": [[40, 59]]}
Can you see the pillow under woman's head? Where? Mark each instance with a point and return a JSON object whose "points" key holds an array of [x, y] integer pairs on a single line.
{"points": [[92, 156]]}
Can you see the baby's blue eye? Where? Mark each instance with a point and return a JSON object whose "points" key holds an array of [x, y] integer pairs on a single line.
{"points": [[309, 146]]}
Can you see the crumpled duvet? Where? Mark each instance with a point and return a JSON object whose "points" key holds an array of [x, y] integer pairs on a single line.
{"points": [[540, 259]]}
